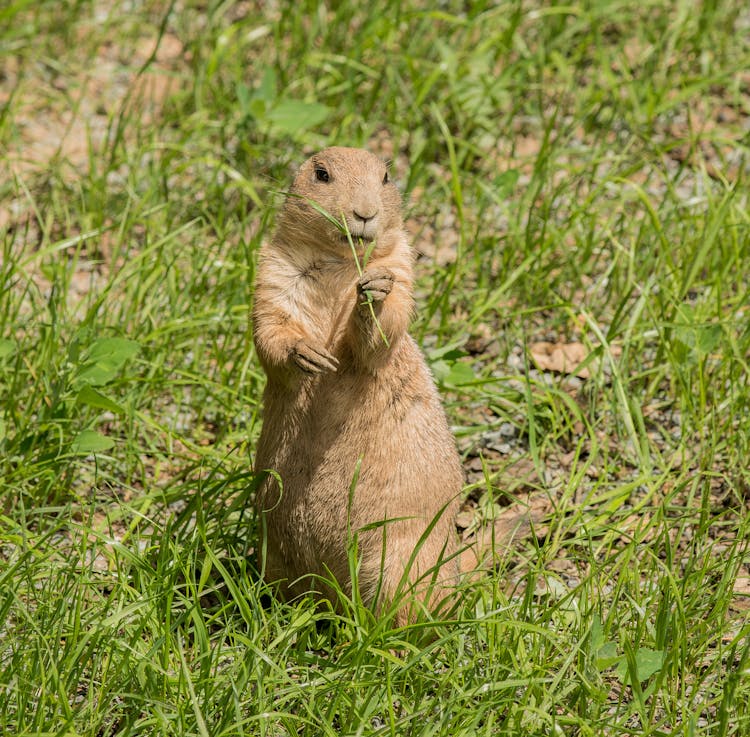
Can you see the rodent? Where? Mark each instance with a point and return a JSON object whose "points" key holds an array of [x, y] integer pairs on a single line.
{"points": [[339, 394]]}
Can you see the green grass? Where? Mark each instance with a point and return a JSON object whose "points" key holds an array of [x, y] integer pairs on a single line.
{"points": [[578, 174]]}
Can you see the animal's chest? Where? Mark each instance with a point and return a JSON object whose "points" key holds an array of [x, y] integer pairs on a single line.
{"points": [[322, 297], [326, 424], [335, 404]]}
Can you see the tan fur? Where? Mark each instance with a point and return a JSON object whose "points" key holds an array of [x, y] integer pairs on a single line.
{"points": [[336, 393]]}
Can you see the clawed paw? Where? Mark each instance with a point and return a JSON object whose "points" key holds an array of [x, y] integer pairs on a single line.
{"points": [[377, 283], [313, 360]]}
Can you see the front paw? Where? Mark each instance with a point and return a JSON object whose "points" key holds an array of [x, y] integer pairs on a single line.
{"points": [[313, 360], [375, 284]]}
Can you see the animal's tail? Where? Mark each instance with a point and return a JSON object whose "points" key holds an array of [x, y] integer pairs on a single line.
{"points": [[494, 538]]}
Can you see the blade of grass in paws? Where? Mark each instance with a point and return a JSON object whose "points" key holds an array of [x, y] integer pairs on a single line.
{"points": [[360, 271]]}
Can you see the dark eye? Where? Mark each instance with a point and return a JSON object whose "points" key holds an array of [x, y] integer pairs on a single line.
{"points": [[385, 178], [321, 174]]}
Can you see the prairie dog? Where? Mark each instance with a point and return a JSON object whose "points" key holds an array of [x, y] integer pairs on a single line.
{"points": [[345, 389]]}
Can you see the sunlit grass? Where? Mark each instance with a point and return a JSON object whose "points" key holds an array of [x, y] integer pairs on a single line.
{"points": [[572, 174]]}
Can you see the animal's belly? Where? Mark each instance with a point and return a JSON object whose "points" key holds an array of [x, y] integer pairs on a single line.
{"points": [[355, 456]]}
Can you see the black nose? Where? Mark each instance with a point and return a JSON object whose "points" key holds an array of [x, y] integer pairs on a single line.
{"points": [[364, 218]]}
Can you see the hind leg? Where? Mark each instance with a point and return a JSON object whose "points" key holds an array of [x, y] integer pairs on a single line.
{"points": [[432, 574]]}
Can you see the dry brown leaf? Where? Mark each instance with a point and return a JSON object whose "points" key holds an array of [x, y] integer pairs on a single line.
{"points": [[742, 593], [562, 358], [511, 523]]}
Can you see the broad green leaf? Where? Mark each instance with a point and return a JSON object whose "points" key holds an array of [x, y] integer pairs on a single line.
{"points": [[448, 352], [460, 373], [708, 338], [119, 349], [596, 638], [647, 663], [606, 655], [293, 116], [94, 398], [90, 441], [453, 373], [450, 355], [103, 361], [7, 347]]}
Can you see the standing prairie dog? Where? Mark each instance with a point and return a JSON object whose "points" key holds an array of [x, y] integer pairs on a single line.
{"points": [[345, 389]]}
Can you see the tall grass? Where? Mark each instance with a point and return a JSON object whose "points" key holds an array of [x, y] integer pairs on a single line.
{"points": [[574, 174]]}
